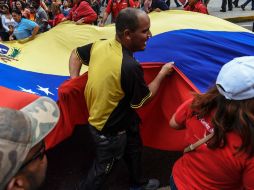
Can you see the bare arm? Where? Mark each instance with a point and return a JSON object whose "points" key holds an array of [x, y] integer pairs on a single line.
{"points": [[34, 32], [155, 84], [173, 124], [44, 6], [74, 65]]}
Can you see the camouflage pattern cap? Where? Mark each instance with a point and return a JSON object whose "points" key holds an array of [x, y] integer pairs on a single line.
{"points": [[20, 131]]}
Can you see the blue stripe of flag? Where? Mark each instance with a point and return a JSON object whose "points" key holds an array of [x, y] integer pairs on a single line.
{"points": [[198, 54], [38, 83]]}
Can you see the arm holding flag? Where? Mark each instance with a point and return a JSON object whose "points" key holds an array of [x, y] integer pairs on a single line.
{"points": [[34, 32], [155, 84]]}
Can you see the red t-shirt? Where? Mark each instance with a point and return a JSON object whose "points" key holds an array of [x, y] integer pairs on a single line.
{"points": [[83, 10], [198, 7], [115, 7], [210, 169], [57, 19]]}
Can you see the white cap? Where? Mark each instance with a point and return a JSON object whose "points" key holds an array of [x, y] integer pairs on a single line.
{"points": [[235, 80]]}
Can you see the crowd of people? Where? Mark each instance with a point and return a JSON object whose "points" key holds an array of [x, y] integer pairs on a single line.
{"points": [[48, 13], [22, 19]]}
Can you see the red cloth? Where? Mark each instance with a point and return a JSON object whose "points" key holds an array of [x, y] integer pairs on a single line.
{"points": [[83, 10], [198, 7], [115, 7], [15, 99], [73, 109], [155, 115], [210, 169]]}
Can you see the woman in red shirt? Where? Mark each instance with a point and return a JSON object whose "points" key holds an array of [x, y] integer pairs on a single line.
{"points": [[223, 118], [58, 16]]}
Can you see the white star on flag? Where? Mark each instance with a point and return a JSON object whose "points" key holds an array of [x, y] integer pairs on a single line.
{"points": [[45, 90], [27, 90]]}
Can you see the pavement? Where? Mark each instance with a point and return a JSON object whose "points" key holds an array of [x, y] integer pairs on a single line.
{"points": [[235, 16]]}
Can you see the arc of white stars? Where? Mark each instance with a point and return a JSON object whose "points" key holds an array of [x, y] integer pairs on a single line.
{"points": [[27, 90], [45, 90]]}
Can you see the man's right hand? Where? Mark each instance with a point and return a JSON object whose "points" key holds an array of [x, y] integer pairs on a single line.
{"points": [[167, 68]]}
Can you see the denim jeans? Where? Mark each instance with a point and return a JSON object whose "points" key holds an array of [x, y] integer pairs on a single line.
{"points": [[109, 149]]}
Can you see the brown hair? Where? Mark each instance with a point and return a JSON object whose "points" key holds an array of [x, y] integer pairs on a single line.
{"points": [[55, 8], [230, 115]]}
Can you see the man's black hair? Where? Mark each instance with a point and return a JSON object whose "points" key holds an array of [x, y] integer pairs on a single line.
{"points": [[127, 19]]}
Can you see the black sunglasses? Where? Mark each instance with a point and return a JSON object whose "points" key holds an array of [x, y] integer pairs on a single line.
{"points": [[39, 154]]}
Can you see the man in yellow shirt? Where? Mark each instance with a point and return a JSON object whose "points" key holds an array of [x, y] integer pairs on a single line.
{"points": [[115, 88]]}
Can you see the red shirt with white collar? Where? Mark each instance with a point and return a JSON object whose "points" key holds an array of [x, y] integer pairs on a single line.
{"points": [[210, 169]]}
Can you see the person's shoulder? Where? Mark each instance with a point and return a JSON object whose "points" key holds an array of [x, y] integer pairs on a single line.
{"points": [[129, 63], [98, 43], [25, 20], [40, 9], [30, 22]]}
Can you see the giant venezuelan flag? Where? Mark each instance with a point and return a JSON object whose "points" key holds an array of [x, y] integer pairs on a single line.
{"points": [[198, 44]]}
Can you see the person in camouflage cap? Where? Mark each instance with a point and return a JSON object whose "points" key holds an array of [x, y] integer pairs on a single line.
{"points": [[22, 151]]}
